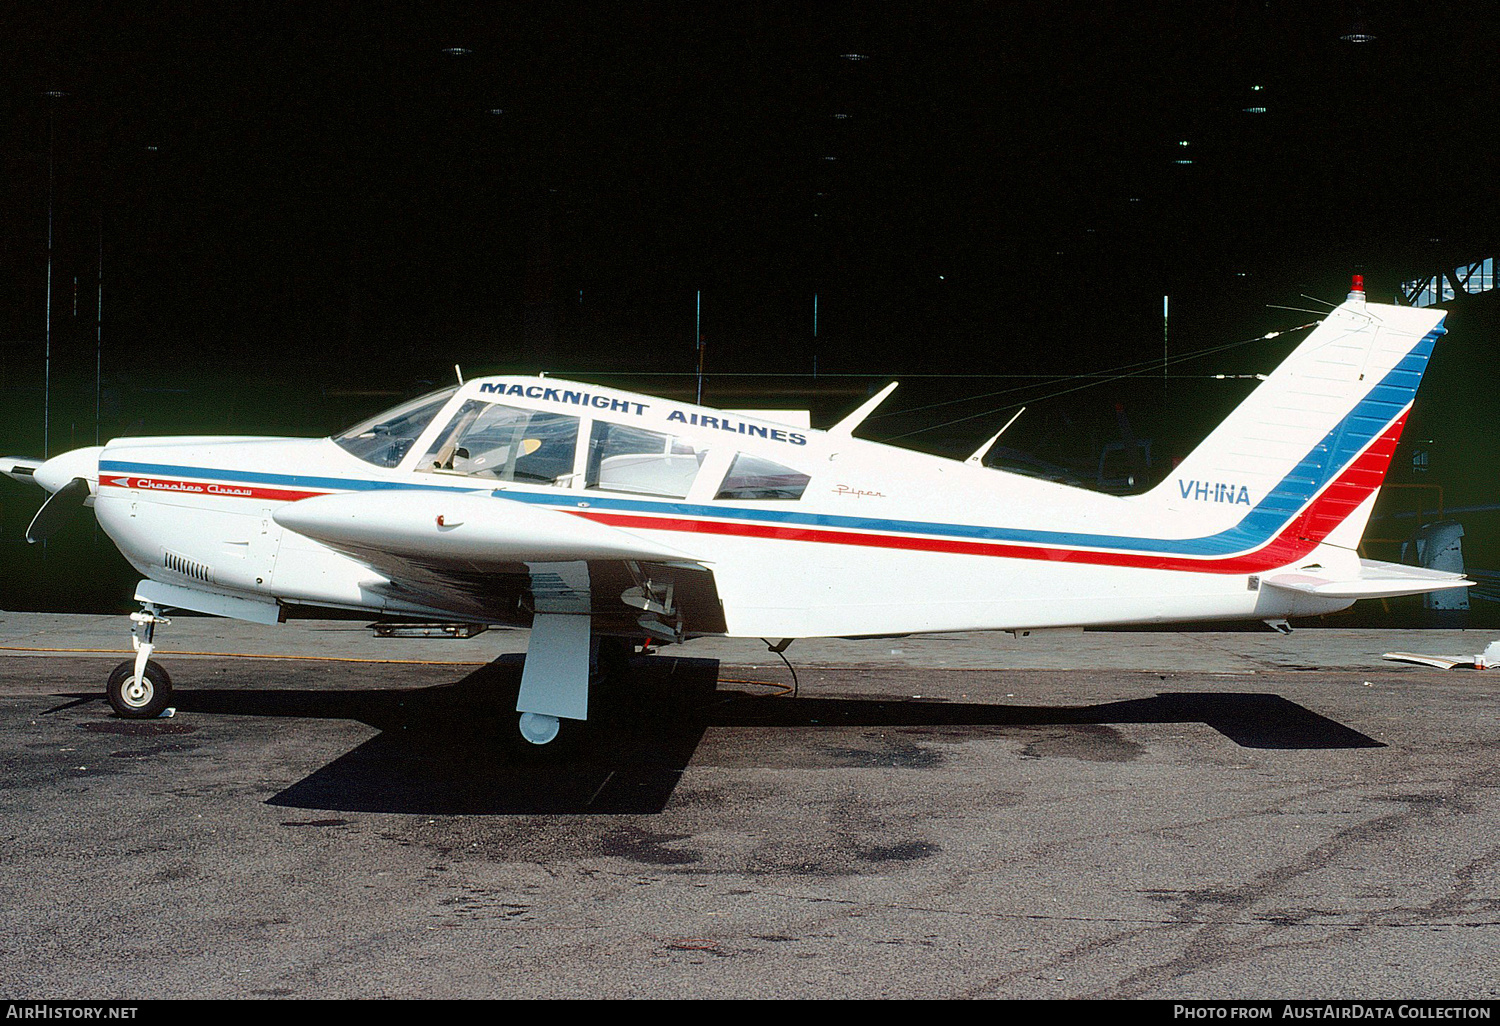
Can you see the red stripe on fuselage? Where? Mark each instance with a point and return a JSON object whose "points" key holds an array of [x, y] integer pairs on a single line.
{"points": [[1297, 539], [210, 489]]}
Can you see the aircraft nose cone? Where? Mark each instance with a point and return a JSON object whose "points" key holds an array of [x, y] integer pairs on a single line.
{"points": [[59, 470]]}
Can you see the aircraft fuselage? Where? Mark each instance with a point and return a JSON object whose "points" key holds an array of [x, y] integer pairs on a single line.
{"points": [[806, 533]]}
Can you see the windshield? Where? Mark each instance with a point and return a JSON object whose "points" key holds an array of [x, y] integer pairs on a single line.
{"points": [[386, 437]]}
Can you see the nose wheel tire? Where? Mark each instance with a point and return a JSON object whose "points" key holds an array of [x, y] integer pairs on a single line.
{"points": [[139, 698]]}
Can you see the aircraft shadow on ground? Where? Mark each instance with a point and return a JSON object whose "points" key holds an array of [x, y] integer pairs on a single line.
{"points": [[454, 748]]}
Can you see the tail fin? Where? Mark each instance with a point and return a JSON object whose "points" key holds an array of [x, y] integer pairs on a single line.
{"points": [[1312, 443]]}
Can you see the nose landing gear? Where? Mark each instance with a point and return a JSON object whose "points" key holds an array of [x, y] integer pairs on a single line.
{"points": [[139, 689]]}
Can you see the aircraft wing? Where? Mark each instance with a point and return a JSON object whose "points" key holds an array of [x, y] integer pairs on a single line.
{"points": [[479, 554], [1375, 580]]}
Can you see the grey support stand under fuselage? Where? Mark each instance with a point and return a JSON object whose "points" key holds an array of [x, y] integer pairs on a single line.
{"points": [[555, 679]]}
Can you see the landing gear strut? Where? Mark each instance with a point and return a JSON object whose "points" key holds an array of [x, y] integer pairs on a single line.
{"points": [[139, 689]]}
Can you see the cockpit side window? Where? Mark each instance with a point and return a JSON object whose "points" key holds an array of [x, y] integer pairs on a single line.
{"points": [[629, 459], [504, 443], [385, 439], [755, 477]]}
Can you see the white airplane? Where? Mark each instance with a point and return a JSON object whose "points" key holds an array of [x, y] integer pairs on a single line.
{"points": [[586, 512]]}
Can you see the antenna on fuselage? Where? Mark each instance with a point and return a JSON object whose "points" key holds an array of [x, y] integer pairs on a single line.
{"points": [[984, 449], [845, 428], [459, 373]]}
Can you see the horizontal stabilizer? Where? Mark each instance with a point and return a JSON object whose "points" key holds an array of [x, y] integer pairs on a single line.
{"points": [[1375, 580], [473, 528]]}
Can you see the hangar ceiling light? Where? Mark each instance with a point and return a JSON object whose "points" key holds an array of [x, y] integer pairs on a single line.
{"points": [[1359, 32]]}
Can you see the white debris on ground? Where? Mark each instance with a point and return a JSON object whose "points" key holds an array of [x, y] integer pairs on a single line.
{"points": [[1486, 660]]}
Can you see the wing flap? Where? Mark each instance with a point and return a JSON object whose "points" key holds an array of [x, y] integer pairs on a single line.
{"points": [[1375, 580]]}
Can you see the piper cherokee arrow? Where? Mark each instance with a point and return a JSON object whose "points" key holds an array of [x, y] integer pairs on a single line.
{"points": [[588, 513]]}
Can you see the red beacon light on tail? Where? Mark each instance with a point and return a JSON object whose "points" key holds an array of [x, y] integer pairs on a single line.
{"points": [[1357, 289]]}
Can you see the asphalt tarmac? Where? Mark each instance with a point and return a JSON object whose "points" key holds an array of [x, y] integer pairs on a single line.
{"points": [[1131, 815]]}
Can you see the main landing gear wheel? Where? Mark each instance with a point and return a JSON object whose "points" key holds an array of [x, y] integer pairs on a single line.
{"points": [[539, 728], [139, 698]]}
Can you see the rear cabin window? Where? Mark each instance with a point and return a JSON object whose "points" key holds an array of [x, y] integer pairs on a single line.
{"points": [[385, 439], [755, 477], [629, 459], [503, 443]]}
